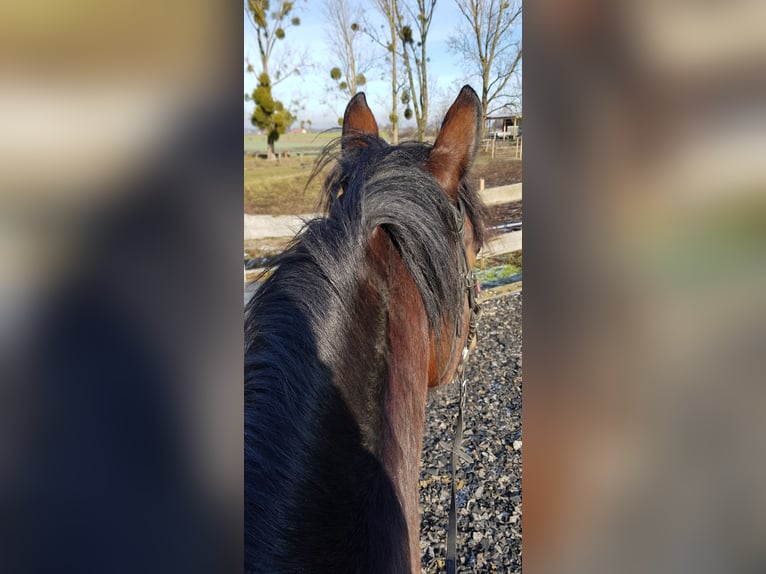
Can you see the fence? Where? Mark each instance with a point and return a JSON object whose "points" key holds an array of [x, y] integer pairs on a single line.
{"points": [[504, 148]]}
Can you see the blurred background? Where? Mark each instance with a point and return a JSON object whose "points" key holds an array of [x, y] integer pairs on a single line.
{"points": [[644, 316], [120, 286]]}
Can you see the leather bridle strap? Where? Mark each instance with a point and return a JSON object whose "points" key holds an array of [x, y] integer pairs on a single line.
{"points": [[469, 283]]}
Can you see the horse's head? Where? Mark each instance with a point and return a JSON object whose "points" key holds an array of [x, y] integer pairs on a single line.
{"points": [[448, 163]]}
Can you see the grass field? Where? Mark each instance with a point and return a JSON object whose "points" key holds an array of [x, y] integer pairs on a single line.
{"points": [[279, 187]]}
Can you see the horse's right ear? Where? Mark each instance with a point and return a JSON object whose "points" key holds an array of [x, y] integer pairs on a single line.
{"points": [[458, 140], [358, 120]]}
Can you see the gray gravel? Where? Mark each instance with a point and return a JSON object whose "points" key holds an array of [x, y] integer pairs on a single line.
{"points": [[489, 494]]}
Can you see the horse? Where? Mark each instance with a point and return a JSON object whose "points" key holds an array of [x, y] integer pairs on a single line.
{"points": [[371, 306]]}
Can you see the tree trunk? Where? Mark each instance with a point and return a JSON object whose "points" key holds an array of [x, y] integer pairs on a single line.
{"points": [[423, 96], [394, 82], [413, 93], [484, 102], [418, 82]]}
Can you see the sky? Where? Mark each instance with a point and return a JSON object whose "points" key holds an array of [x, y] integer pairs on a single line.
{"points": [[314, 85]]}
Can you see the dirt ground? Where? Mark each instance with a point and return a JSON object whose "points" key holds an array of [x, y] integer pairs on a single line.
{"points": [[496, 172], [505, 212]]}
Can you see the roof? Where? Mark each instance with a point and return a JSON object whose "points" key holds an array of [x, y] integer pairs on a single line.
{"points": [[503, 113]]}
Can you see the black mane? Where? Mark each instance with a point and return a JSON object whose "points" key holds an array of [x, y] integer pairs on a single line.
{"points": [[298, 424]]}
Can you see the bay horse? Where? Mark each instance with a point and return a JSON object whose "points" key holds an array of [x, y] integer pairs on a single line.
{"points": [[369, 307]]}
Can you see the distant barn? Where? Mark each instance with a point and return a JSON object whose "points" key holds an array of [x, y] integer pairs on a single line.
{"points": [[503, 124]]}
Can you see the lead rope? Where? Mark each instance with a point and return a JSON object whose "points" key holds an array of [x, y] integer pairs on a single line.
{"points": [[452, 526], [473, 288]]}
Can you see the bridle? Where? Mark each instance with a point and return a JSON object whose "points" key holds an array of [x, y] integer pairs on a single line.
{"points": [[468, 277], [471, 286]]}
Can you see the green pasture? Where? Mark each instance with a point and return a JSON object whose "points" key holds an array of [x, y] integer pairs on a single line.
{"points": [[309, 144]]}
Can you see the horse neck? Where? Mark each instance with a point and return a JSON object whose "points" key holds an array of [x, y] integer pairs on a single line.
{"points": [[383, 377], [369, 365], [404, 400]]}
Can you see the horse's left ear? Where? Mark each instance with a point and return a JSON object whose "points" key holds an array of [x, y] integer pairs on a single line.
{"points": [[457, 142], [358, 120]]}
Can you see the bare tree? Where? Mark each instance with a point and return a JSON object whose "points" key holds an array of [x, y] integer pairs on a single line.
{"points": [[488, 46], [414, 40], [345, 26], [389, 9], [353, 56]]}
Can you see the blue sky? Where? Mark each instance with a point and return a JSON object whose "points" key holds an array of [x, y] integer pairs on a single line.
{"points": [[313, 85]]}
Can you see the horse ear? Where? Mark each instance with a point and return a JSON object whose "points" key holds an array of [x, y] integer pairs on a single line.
{"points": [[358, 119], [457, 142]]}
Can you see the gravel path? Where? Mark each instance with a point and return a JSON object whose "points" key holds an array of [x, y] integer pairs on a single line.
{"points": [[489, 495]]}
